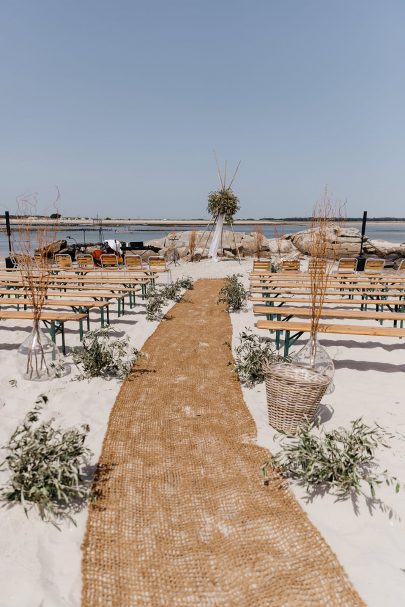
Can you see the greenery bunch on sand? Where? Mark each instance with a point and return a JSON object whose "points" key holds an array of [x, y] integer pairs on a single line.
{"points": [[251, 354], [47, 466], [340, 461], [102, 354], [158, 296], [233, 294]]}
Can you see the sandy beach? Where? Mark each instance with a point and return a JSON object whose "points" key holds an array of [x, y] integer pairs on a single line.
{"points": [[41, 565]]}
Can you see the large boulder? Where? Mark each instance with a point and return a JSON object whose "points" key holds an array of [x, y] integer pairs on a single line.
{"points": [[342, 242], [281, 246], [384, 248], [52, 249], [156, 244]]}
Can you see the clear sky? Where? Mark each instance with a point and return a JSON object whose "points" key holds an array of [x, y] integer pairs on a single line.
{"points": [[121, 103]]}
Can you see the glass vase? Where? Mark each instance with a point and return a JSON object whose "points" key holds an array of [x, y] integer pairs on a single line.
{"points": [[38, 358], [314, 356]]}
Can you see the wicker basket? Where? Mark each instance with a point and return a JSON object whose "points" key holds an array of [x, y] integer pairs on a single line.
{"points": [[293, 394]]}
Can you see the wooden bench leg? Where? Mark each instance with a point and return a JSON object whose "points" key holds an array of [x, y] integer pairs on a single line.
{"points": [[81, 329]]}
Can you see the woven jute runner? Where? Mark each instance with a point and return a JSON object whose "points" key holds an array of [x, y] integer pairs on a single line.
{"points": [[182, 516]]}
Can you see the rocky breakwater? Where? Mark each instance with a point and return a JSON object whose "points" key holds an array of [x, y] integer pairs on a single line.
{"points": [[346, 242], [180, 244]]}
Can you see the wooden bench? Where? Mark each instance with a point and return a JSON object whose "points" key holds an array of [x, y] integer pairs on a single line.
{"points": [[398, 304], [366, 293], [74, 294], [114, 290], [305, 327], [303, 311], [76, 305], [54, 321]]}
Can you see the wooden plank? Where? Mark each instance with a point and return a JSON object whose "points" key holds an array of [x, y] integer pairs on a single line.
{"points": [[343, 293], [45, 315], [328, 300], [330, 313], [376, 331], [15, 301], [70, 293]]}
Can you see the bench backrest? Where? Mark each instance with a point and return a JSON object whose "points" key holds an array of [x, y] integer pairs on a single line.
{"points": [[134, 262], [157, 263], [63, 261], [318, 264], [262, 265], [85, 261], [347, 264], [290, 265], [109, 260], [374, 265]]}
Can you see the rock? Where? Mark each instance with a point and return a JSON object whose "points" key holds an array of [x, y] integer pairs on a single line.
{"points": [[281, 246], [53, 248], [156, 244], [342, 242], [384, 248]]}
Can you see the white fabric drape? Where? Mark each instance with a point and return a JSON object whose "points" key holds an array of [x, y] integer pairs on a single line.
{"points": [[216, 237]]}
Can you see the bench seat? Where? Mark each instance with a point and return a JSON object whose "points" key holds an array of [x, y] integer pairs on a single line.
{"points": [[305, 327], [55, 321]]}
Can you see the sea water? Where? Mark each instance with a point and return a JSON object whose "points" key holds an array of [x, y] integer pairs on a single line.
{"points": [[393, 232]]}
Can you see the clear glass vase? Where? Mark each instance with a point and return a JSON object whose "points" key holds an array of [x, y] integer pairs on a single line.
{"points": [[314, 356], [38, 358]]}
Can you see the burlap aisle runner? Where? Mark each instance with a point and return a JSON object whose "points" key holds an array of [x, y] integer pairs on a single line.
{"points": [[184, 518]]}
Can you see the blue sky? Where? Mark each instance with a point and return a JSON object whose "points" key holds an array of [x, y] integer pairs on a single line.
{"points": [[121, 104]]}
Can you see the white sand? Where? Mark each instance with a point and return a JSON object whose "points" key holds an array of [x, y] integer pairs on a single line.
{"points": [[40, 566]]}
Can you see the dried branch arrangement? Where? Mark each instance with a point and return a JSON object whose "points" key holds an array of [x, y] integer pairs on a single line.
{"points": [[321, 261], [258, 241], [31, 249], [192, 244]]}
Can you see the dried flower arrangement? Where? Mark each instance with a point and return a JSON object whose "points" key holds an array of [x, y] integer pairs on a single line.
{"points": [[224, 201]]}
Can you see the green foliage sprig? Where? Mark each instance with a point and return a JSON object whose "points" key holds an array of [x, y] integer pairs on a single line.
{"points": [[158, 296], [223, 202], [47, 466], [339, 461], [250, 355], [233, 294], [103, 355]]}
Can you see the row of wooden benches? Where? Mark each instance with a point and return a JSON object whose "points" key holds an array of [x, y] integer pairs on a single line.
{"points": [[280, 302], [80, 294]]}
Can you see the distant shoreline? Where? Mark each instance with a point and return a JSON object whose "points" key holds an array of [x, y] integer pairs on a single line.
{"points": [[95, 224]]}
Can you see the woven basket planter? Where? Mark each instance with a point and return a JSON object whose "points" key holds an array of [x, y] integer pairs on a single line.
{"points": [[293, 394]]}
